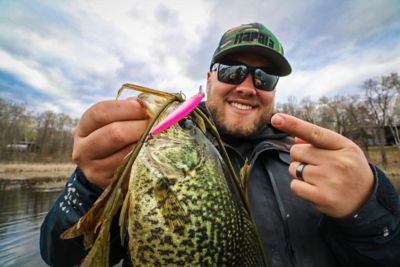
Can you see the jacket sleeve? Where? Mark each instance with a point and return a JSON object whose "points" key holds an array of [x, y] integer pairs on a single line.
{"points": [[371, 237], [75, 200]]}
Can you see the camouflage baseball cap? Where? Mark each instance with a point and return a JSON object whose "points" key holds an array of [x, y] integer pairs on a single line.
{"points": [[256, 38]]}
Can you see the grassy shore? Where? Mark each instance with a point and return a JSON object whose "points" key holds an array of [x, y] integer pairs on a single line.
{"points": [[61, 171], [392, 169], [35, 170], [36, 176]]}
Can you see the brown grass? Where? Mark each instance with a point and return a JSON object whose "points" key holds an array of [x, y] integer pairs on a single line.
{"points": [[393, 168], [29, 170]]}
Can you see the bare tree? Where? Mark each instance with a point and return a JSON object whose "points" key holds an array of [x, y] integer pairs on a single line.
{"points": [[291, 107], [55, 135], [380, 96], [308, 111], [358, 120], [392, 81], [51, 132], [64, 125], [13, 118], [332, 113]]}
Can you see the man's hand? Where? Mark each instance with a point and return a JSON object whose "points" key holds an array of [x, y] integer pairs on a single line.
{"points": [[338, 179], [104, 136]]}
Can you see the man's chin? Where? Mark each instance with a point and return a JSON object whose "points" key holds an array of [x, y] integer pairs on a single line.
{"points": [[237, 131], [229, 124]]}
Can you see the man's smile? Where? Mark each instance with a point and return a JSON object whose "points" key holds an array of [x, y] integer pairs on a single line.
{"points": [[240, 106]]}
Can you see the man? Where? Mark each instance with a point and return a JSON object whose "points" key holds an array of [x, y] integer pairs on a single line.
{"points": [[316, 202]]}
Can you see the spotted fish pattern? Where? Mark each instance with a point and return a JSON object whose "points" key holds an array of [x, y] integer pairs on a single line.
{"points": [[181, 210]]}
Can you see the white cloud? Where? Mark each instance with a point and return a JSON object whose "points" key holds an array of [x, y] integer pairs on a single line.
{"points": [[79, 52], [26, 71], [347, 72], [104, 38]]}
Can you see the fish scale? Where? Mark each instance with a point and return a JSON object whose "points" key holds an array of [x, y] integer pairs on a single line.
{"points": [[204, 224], [184, 205]]}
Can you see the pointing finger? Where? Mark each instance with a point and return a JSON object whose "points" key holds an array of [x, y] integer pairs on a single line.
{"points": [[311, 133]]}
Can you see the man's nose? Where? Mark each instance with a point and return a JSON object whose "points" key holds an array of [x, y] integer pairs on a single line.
{"points": [[247, 86]]}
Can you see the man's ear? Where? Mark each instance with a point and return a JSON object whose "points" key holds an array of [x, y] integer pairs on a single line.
{"points": [[209, 80]]}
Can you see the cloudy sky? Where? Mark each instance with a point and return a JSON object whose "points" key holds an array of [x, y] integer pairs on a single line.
{"points": [[66, 55]]}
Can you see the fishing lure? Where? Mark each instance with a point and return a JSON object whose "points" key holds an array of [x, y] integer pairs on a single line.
{"points": [[183, 110]]}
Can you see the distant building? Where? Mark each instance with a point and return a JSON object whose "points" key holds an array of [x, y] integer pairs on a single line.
{"points": [[373, 139], [23, 146]]}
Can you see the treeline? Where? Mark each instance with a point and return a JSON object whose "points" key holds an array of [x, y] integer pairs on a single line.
{"points": [[43, 137], [370, 118]]}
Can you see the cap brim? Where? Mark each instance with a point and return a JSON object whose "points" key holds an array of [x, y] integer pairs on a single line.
{"points": [[279, 62]]}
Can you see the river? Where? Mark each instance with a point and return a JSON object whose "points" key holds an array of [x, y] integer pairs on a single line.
{"points": [[21, 214]]}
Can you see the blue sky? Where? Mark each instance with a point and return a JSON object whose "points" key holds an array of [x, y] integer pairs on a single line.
{"points": [[66, 55]]}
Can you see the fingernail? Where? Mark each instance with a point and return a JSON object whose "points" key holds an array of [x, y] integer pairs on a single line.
{"points": [[298, 140], [277, 120]]}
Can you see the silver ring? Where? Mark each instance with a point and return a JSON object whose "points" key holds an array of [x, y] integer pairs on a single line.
{"points": [[299, 170]]}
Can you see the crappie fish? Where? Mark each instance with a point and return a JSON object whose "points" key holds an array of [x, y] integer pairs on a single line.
{"points": [[182, 207]]}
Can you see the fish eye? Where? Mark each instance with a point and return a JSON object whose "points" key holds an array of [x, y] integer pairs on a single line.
{"points": [[186, 124]]}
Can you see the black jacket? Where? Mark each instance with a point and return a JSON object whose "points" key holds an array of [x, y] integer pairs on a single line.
{"points": [[293, 232]]}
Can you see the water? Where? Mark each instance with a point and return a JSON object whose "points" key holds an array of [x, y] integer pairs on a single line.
{"points": [[21, 214]]}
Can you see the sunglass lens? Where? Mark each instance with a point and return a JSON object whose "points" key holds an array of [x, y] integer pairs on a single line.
{"points": [[232, 74], [236, 74], [264, 81]]}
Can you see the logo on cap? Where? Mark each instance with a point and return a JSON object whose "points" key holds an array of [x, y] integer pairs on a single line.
{"points": [[254, 36]]}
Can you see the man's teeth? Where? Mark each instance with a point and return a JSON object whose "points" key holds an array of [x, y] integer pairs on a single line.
{"points": [[241, 106]]}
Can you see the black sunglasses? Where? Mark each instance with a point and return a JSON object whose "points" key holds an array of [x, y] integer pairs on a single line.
{"points": [[236, 74]]}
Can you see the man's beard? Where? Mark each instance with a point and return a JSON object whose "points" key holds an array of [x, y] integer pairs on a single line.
{"points": [[237, 130]]}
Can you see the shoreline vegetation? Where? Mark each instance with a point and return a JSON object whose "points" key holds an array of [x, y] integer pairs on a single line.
{"points": [[48, 136], [36, 176], [53, 176], [392, 168]]}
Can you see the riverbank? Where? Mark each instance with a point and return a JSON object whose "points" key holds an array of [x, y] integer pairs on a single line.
{"points": [[36, 176], [53, 176]]}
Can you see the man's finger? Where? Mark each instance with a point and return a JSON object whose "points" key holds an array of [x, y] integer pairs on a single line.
{"points": [[311, 133], [109, 111], [306, 191], [108, 139], [299, 141], [312, 155]]}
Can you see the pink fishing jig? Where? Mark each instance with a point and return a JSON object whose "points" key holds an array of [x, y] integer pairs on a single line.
{"points": [[178, 114]]}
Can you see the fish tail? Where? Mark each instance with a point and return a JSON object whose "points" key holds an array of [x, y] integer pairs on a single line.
{"points": [[99, 254], [89, 223], [123, 217]]}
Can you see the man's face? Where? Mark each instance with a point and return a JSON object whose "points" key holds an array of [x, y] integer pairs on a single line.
{"points": [[239, 109]]}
